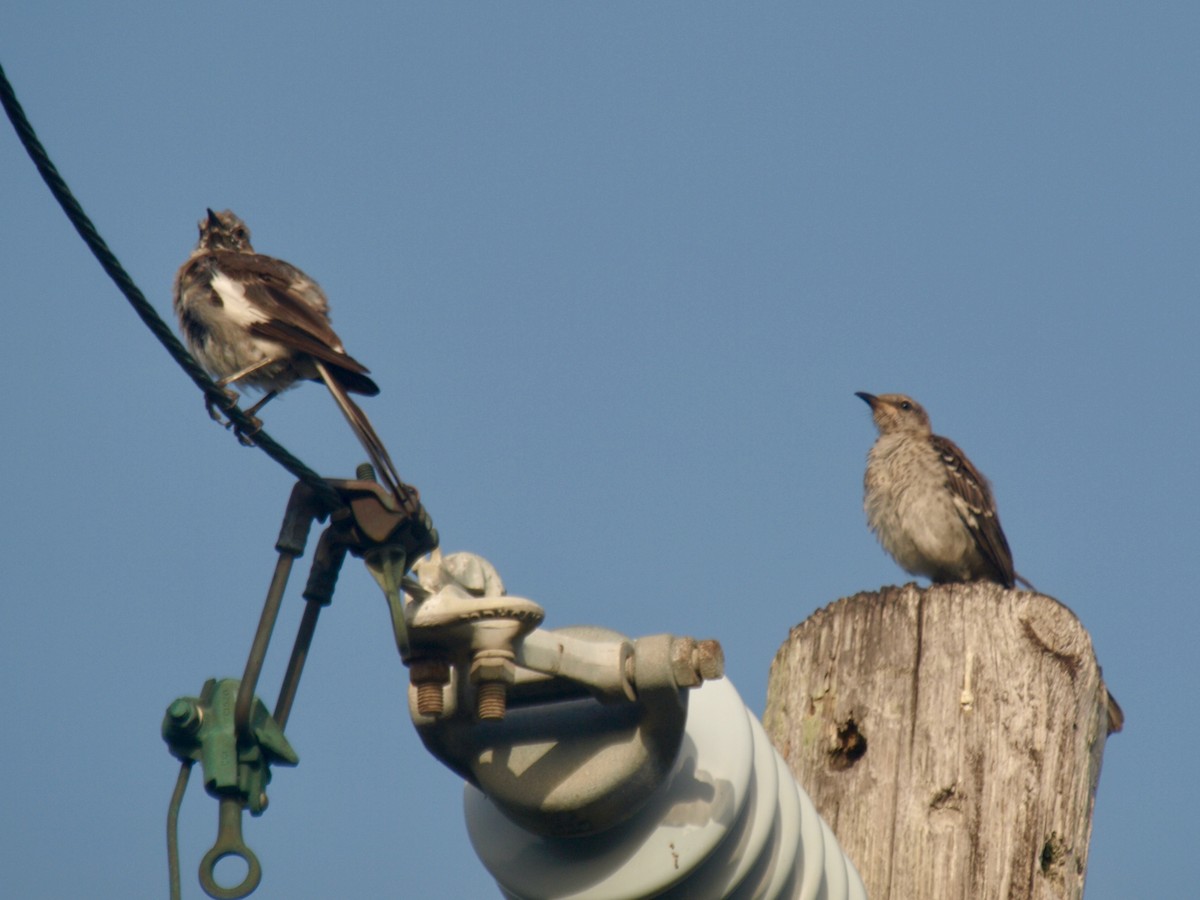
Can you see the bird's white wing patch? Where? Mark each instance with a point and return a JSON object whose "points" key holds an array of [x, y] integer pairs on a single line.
{"points": [[233, 294], [966, 511]]}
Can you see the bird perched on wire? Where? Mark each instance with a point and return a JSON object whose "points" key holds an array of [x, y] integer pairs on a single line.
{"points": [[931, 508], [260, 322]]}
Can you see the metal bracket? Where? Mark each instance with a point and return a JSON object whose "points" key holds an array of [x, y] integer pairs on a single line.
{"points": [[236, 769], [568, 731], [228, 729]]}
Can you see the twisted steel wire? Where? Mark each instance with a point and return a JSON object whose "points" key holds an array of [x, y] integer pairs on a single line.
{"points": [[109, 262]]}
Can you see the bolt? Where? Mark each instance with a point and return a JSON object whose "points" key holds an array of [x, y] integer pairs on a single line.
{"points": [[709, 659], [427, 676], [185, 716], [490, 700], [365, 472], [492, 671], [694, 662], [429, 699], [682, 669]]}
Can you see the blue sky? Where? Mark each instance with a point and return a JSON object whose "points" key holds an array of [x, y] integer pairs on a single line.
{"points": [[619, 269]]}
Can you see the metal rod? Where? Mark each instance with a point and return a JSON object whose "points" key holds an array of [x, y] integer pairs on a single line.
{"points": [[303, 507], [185, 770], [327, 563], [262, 639], [295, 667]]}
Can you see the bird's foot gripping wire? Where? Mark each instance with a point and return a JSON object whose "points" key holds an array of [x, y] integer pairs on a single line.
{"points": [[222, 402], [219, 402], [244, 434]]}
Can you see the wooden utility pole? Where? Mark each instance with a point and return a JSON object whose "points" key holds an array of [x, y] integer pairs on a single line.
{"points": [[950, 736]]}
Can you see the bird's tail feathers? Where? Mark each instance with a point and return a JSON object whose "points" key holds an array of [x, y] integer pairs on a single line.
{"points": [[405, 495]]}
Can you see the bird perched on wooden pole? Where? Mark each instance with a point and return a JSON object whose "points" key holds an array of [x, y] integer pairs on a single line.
{"points": [[258, 321], [931, 509]]}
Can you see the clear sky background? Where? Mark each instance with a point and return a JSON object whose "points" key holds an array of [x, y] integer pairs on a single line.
{"points": [[619, 269]]}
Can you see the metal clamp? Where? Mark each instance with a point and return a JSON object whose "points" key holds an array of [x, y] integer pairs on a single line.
{"points": [[568, 731], [236, 768], [227, 728]]}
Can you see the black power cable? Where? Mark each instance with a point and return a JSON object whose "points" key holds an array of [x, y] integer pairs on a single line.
{"points": [[166, 337]]}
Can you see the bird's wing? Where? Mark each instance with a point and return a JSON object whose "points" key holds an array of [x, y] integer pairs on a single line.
{"points": [[349, 371], [294, 312], [973, 497], [279, 290]]}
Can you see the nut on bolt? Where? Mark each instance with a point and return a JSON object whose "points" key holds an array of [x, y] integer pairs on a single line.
{"points": [[492, 671], [184, 717], [693, 662], [709, 659]]}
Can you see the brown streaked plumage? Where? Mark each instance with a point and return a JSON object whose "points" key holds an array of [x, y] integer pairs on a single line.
{"points": [[258, 321], [931, 509]]}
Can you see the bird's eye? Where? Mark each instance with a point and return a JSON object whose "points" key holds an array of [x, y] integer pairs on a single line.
{"points": [[905, 405], [239, 232]]}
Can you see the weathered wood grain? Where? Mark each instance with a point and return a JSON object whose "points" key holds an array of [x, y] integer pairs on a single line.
{"points": [[951, 736]]}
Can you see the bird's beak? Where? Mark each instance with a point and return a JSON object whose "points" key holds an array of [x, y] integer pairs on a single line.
{"points": [[212, 219], [870, 399]]}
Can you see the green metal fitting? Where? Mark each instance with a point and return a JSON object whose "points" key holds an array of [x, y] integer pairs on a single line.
{"points": [[202, 729]]}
